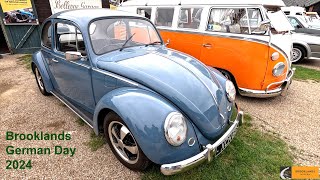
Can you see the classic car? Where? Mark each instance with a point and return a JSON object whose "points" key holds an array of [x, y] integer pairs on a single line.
{"points": [[151, 103], [306, 41]]}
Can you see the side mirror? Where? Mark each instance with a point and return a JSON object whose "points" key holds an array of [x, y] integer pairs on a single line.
{"points": [[299, 26], [73, 56], [265, 25]]}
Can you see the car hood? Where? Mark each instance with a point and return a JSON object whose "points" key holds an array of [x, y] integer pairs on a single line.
{"points": [[180, 78]]}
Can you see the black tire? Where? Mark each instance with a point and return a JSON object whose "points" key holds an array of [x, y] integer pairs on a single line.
{"points": [[39, 81], [137, 163], [298, 49]]}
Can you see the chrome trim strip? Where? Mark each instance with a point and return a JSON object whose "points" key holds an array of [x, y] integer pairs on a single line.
{"points": [[206, 155], [79, 64], [71, 109], [116, 76]]}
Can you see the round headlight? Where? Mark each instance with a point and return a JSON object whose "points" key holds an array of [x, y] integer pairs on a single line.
{"points": [[175, 129], [278, 69], [231, 91]]}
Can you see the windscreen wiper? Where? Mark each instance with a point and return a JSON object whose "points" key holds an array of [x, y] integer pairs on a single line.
{"points": [[154, 43], [125, 43]]}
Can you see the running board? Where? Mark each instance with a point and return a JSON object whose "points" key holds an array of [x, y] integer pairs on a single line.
{"points": [[73, 108]]}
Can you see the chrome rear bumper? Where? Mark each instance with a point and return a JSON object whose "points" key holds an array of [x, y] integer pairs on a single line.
{"points": [[282, 90], [206, 155]]}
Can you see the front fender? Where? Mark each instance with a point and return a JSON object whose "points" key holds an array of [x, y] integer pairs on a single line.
{"points": [[144, 112], [38, 60]]}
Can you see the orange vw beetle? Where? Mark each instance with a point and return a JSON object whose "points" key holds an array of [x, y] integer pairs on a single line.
{"points": [[248, 41]]}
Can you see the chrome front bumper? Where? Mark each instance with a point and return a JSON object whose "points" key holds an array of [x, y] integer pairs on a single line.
{"points": [[206, 155], [282, 90]]}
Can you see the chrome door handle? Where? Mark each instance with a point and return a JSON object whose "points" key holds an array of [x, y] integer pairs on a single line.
{"points": [[54, 60], [168, 42], [208, 45]]}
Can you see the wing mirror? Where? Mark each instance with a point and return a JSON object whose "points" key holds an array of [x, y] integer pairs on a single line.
{"points": [[299, 26], [265, 25], [73, 56]]}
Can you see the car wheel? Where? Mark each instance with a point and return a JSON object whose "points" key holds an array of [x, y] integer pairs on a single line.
{"points": [[123, 144], [40, 82], [298, 54]]}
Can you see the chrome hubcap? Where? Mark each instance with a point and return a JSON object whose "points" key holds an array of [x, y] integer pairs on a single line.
{"points": [[296, 54], [39, 79], [123, 142]]}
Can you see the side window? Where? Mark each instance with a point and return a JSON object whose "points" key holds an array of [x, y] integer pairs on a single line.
{"points": [[189, 18], [146, 12], [293, 22], [164, 17], [228, 20], [46, 35], [255, 19], [69, 38]]}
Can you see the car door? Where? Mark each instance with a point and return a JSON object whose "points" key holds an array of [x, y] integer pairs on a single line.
{"points": [[73, 78]]}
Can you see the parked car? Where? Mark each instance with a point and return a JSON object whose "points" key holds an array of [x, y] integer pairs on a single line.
{"points": [[232, 36], [306, 41], [309, 18], [152, 104]]}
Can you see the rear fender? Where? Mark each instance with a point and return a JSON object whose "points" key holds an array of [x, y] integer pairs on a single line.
{"points": [[37, 59], [144, 113]]}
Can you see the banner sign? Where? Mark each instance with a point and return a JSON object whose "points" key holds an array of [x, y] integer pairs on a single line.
{"points": [[60, 5], [18, 12]]}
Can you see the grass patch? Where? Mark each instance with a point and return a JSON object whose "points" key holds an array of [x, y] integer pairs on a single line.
{"points": [[26, 60], [303, 73], [96, 142], [80, 122], [251, 155]]}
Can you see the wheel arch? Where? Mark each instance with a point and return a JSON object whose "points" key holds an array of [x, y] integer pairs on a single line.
{"points": [[144, 113], [305, 46]]}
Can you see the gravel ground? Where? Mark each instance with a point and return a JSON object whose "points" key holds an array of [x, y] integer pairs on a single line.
{"points": [[24, 109], [295, 118]]}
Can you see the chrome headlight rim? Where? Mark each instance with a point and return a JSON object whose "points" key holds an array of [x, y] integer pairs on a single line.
{"points": [[167, 123], [276, 68], [230, 91]]}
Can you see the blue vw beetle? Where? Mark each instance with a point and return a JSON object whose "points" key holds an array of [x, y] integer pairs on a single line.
{"points": [[151, 103]]}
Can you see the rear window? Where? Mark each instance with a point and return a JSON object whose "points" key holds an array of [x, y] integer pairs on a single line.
{"points": [[46, 35], [164, 17]]}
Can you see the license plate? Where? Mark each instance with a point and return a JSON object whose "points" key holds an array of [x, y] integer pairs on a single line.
{"points": [[226, 142]]}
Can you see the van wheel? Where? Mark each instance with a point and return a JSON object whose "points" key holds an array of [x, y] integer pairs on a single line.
{"points": [[40, 82], [298, 54], [123, 144], [226, 74]]}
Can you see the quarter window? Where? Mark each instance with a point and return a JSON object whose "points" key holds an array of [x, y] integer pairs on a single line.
{"points": [[69, 38], [46, 35], [146, 12], [164, 17], [190, 18], [228, 20]]}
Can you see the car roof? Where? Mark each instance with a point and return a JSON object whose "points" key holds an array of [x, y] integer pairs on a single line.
{"points": [[81, 16]]}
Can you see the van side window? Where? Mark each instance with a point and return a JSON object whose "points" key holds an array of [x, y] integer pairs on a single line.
{"points": [[190, 18], [46, 35], [228, 20], [164, 17], [146, 12], [255, 19]]}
